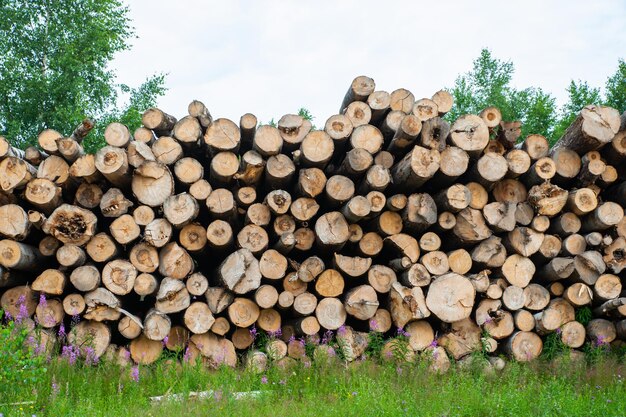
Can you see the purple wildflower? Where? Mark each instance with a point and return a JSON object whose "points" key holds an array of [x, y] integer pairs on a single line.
{"points": [[90, 356], [402, 332], [373, 324], [42, 300], [55, 389], [9, 318], [558, 331], [601, 341], [328, 336], [61, 331], [70, 352], [307, 364], [187, 355], [488, 320], [342, 330], [433, 344], [277, 333], [23, 311], [301, 342], [389, 354], [399, 370], [134, 373], [165, 340], [291, 339], [75, 320], [331, 352], [264, 379], [253, 332]]}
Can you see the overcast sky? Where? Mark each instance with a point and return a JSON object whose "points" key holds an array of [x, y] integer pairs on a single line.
{"points": [[273, 57]]}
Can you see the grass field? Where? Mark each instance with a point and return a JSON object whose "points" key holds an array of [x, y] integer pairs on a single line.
{"points": [[330, 389]]}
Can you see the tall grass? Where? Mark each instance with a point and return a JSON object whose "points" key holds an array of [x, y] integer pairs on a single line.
{"points": [[363, 388]]}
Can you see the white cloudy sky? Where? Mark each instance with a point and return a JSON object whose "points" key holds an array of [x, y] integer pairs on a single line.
{"points": [[272, 57]]}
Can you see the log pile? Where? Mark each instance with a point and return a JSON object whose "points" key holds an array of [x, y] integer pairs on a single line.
{"points": [[194, 233]]}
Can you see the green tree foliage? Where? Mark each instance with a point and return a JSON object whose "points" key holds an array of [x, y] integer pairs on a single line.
{"points": [[306, 115], [140, 99], [489, 84], [616, 88], [579, 94], [54, 65]]}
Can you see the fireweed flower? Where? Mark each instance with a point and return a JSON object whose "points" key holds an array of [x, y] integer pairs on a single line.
{"points": [[342, 330], [90, 356], [61, 333], [264, 379], [165, 340], [42, 300], [134, 373], [402, 332], [558, 330], [187, 355], [70, 352], [291, 339], [373, 324], [55, 389], [328, 336], [253, 332], [23, 311], [433, 344]]}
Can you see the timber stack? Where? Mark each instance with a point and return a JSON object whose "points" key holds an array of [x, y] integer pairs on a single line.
{"points": [[192, 234]]}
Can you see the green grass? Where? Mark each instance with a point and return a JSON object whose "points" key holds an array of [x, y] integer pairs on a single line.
{"points": [[332, 389]]}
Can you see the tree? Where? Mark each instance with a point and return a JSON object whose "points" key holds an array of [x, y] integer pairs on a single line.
{"points": [[489, 84], [54, 64], [580, 94], [139, 99], [616, 88]]}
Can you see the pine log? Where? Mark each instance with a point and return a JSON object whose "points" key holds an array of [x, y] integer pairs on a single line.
{"points": [[16, 173], [94, 334], [524, 346], [19, 256], [402, 100], [124, 229], [152, 183], [604, 216], [451, 297], [113, 203], [417, 167], [470, 226], [406, 304], [594, 127]]}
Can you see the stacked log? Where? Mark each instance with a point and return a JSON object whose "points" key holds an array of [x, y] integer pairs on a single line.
{"points": [[195, 234]]}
